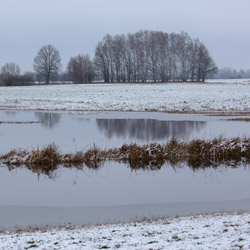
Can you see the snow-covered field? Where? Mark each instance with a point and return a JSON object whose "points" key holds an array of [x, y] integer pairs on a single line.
{"points": [[219, 231], [215, 95]]}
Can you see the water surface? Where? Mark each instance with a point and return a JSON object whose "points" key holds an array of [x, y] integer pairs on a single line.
{"points": [[111, 129], [114, 192]]}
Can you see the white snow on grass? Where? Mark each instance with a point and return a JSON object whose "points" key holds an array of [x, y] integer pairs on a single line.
{"points": [[219, 231], [213, 96]]}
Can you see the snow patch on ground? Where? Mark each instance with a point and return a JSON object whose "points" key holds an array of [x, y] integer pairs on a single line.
{"points": [[219, 231], [213, 96]]}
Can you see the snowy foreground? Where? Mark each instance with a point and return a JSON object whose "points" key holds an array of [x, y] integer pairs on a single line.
{"points": [[219, 231], [213, 96]]}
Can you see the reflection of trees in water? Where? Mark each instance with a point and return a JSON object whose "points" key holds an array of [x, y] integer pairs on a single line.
{"points": [[49, 120], [147, 129], [10, 113]]}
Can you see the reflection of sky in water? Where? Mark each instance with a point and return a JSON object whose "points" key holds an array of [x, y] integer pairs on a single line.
{"points": [[115, 184], [115, 194]]}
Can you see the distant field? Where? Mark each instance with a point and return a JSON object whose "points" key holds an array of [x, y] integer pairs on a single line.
{"points": [[212, 96]]}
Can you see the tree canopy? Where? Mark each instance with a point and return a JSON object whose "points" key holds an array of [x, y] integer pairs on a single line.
{"points": [[47, 63]]}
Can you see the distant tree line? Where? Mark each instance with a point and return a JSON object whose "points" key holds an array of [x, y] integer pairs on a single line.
{"points": [[139, 57], [11, 75], [229, 73]]}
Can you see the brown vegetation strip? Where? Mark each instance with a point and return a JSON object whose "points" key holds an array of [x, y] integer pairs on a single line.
{"points": [[16, 122], [197, 154], [239, 119]]}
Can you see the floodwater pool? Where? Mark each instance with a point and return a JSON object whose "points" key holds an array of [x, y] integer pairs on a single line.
{"points": [[114, 192]]}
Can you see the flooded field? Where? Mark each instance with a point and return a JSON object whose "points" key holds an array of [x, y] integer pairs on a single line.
{"points": [[114, 192], [109, 129]]}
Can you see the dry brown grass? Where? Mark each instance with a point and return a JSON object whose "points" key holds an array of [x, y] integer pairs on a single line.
{"points": [[47, 157], [19, 122], [239, 119], [94, 158], [197, 153], [14, 157], [77, 158]]}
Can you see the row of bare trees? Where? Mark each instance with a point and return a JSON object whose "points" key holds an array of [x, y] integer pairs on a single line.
{"points": [[47, 67], [47, 64], [154, 56], [140, 57]]}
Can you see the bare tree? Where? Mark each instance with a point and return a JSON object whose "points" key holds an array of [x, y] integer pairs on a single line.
{"points": [[206, 65], [47, 63], [154, 55], [9, 73], [163, 55], [80, 69], [118, 48], [102, 61]]}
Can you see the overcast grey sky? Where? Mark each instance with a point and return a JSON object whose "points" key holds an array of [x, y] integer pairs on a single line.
{"points": [[75, 26]]}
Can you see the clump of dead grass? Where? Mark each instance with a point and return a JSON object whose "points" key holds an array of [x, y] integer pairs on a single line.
{"points": [[197, 153], [94, 158], [76, 158], [14, 157], [48, 157]]}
